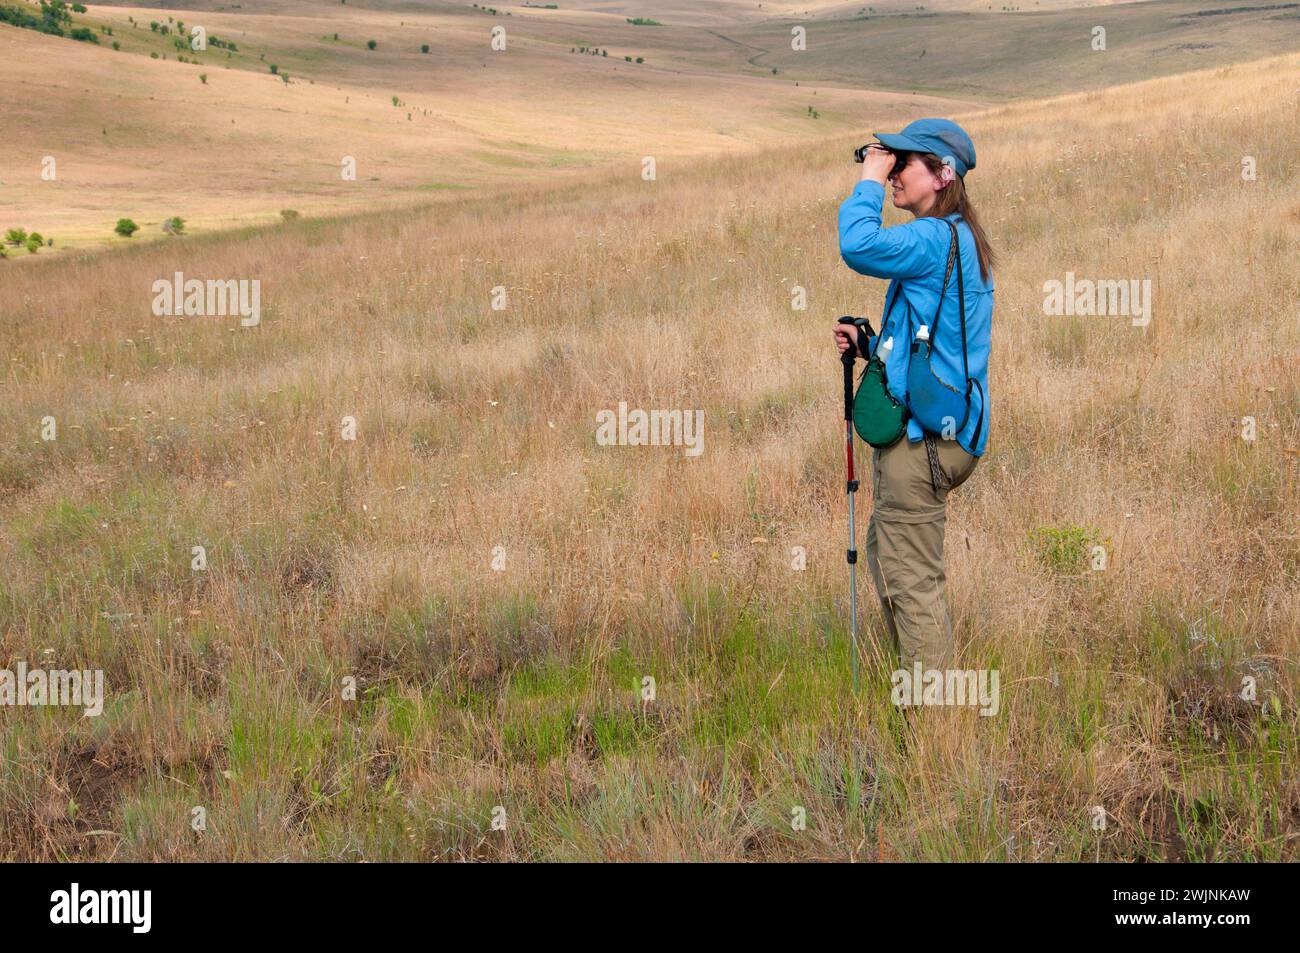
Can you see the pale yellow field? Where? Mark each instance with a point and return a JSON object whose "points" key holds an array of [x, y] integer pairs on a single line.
{"points": [[519, 686], [145, 139]]}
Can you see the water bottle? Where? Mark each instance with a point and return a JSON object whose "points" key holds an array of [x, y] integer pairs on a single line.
{"points": [[886, 349]]}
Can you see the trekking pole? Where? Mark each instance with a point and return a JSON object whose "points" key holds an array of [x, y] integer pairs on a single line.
{"points": [[851, 487]]}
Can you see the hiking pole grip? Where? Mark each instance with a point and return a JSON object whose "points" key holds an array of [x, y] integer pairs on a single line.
{"points": [[847, 358]]}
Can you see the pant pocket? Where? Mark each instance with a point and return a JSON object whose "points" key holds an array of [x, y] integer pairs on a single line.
{"points": [[957, 464], [905, 491]]}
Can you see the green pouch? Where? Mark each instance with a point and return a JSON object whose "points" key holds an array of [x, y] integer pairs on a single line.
{"points": [[878, 416]]}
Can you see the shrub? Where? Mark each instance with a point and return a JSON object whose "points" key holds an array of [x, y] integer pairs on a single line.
{"points": [[33, 245], [290, 214], [1064, 549], [125, 227], [36, 237], [174, 225], [203, 78], [16, 236], [424, 47], [371, 44], [54, 17], [275, 70]]}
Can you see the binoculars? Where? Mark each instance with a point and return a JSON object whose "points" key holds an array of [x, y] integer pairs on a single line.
{"points": [[900, 160]]}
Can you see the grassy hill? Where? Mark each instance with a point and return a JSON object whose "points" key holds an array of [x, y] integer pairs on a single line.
{"points": [[988, 55], [498, 585], [222, 142]]}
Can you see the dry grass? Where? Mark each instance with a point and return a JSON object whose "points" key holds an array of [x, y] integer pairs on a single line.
{"points": [[518, 688]]}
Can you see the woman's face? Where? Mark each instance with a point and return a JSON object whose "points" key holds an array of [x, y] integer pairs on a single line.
{"points": [[915, 186]]}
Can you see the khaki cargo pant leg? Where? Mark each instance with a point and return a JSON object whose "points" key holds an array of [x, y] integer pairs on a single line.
{"points": [[905, 548]]}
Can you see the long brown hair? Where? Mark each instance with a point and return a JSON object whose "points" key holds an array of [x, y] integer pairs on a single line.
{"points": [[953, 198]]}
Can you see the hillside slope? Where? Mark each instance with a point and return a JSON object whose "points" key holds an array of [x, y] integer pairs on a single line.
{"points": [[220, 141], [499, 585]]}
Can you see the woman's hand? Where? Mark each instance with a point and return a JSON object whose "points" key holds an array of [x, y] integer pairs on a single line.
{"points": [[844, 333], [877, 164]]}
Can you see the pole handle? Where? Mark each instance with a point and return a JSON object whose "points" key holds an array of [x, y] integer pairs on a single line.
{"points": [[847, 359], [851, 354]]}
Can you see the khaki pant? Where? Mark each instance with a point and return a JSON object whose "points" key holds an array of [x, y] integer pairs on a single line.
{"points": [[905, 547]]}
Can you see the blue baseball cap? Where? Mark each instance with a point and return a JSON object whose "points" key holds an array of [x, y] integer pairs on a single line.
{"points": [[942, 137]]}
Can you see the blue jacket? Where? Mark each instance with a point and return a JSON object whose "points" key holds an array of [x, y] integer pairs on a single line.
{"points": [[917, 252]]}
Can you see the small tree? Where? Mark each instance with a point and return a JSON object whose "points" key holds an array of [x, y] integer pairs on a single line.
{"points": [[36, 237], [16, 236], [203, 78], [125, 227], [424, 47], [275, 69], [33, 245], [371, 44]]}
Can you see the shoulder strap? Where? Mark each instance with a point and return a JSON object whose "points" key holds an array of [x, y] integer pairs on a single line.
{"points": [[884, 322], [954, 253]]}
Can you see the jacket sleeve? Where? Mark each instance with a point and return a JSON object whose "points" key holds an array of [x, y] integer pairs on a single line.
{"points": [[903, 251]]}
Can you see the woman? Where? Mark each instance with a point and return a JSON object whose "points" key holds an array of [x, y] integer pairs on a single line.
{"points": [[925, 166]]}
